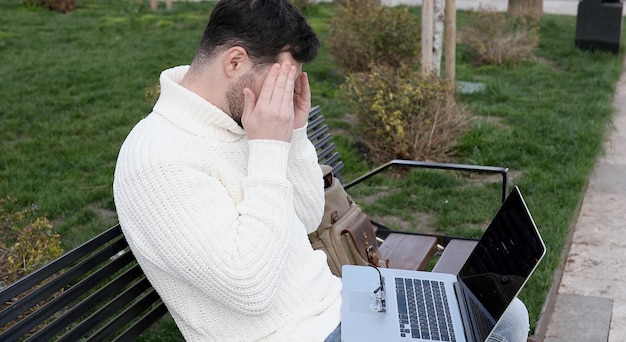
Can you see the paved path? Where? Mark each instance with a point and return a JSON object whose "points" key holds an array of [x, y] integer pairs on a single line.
{"points": [[596, 262]]}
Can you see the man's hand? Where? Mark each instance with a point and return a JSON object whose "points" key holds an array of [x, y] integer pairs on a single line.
{"points": [[271, 116], [301, 100]]}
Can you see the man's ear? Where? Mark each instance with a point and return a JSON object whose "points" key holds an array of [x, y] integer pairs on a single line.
{"points": [[236, 61]]}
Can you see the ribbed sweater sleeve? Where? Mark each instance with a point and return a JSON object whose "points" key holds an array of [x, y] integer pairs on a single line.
{"points": [[306, 176]]}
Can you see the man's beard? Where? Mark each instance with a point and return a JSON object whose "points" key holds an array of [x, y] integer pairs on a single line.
{"points": [[235, 97]]}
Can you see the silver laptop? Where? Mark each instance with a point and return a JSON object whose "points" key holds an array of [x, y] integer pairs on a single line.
{"points": [[427, 306]]}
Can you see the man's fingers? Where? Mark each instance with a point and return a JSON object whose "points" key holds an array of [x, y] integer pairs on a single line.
{"points": [[270, 83], [248, 100], [297, 88], [305, 88], [302, 101], [284, 81], [270, 114], [289, 86]]}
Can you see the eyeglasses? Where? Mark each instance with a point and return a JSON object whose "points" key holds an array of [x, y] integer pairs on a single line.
{"points": [[378, 303]]}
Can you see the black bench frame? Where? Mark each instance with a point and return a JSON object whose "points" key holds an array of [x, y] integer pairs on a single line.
{"points": [[98, 292]]}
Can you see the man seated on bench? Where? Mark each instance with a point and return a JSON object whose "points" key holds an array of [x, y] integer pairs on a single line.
{"points": [[218, 188]]}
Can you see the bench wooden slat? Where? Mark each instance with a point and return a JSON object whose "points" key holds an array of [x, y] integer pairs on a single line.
{"points": [[316, 130], [321, 138], [454, 256], [315, 112], [326, 154], [408, 251], [315, 121], [143, 323]]}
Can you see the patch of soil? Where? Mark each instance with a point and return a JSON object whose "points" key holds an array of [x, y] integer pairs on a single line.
{"points": [[421, 225]]}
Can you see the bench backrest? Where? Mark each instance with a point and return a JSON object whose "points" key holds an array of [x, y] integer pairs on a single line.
{"points": [[319, 134], [98, 290]]}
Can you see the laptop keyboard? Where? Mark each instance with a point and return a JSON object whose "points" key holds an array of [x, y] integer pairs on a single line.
{"points": [[483, 325], [423, 310]]}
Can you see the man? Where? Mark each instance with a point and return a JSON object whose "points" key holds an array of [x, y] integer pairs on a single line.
{"points": [[217, 189], [218, 216]]}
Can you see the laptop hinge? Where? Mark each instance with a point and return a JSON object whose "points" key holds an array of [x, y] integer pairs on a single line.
{"points": [[465, 315]]}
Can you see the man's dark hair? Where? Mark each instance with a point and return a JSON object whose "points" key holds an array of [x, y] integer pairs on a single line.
{"points": [[265, 28]]}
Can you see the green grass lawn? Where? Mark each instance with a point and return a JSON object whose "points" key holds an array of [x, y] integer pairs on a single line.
{"points": [[73, 85]]}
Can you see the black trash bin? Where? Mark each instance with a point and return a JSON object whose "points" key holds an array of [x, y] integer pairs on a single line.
{"points": [[599, 25]]}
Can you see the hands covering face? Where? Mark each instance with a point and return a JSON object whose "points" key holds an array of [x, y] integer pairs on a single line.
{"points": [[282, 106]]}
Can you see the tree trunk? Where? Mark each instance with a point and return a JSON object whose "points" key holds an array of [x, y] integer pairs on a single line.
{"points": [[427, 35], [526, 8], [438, 21]]}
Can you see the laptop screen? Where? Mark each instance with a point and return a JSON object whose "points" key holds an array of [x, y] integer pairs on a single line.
{"points": [[501, 263]]}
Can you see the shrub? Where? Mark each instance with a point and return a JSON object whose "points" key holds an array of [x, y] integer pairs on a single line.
{"points": [[152, 93], [63, 6], [301, 4], [495, 38], [30, 3], [405, 114], [358, 4], [363, 32], [28, 241]]}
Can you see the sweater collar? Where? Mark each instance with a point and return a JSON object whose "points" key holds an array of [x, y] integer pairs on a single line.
{"points": [[192, 113]]}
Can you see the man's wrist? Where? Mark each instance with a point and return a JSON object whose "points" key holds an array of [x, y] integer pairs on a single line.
{"points": [[268, 159]]}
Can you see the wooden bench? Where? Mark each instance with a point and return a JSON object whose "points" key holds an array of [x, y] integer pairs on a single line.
{"points": [[97, 291]]}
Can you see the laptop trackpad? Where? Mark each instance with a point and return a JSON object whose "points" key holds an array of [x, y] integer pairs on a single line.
{"points": [[360, 302]]}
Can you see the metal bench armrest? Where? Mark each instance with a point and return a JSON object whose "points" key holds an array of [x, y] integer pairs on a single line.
{"points": [[503, 171]]}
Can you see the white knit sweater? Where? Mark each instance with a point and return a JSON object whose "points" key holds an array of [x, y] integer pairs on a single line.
{"points": [[219, 223]]}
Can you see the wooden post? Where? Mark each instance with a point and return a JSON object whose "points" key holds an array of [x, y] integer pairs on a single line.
{"points": [[427, 35], [154, 4], [450, 41]]}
